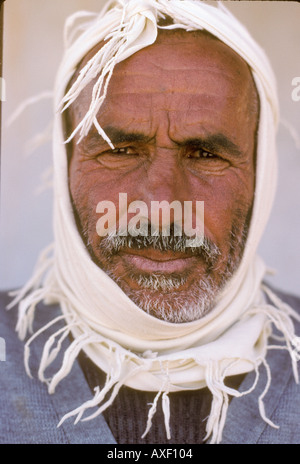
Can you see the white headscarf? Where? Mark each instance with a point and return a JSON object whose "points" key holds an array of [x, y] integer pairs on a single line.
{"points": [[132, 347]]}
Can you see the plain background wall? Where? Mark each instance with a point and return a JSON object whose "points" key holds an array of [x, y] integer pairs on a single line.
{"points": [[32, 51]]}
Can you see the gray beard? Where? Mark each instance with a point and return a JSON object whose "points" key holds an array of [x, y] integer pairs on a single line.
{"points": [[171, 305], [158, 294]]}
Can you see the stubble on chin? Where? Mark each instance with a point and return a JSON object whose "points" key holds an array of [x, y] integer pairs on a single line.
{"points": [[177, 298], [166, 296]]}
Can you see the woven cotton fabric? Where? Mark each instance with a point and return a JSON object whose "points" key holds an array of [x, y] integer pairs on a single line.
{"points": [[132, 347]]}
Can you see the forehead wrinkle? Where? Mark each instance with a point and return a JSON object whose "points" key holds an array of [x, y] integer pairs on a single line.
{"points": [[185, 82], [186, 59], [164, 69], [165, 76]]}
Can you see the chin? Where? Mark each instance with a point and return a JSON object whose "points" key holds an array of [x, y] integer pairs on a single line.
{"points": [[172, 303]]}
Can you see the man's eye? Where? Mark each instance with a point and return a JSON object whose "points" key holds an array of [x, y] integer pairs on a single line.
{"points": [[125, 151], [120, 158], [201, 154]]}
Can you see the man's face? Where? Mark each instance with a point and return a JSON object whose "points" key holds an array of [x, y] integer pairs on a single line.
{"points": [[182, 117]]}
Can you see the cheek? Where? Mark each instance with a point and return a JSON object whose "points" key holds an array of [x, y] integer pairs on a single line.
{"points": [[82, 185], [89, 185], [227, 199]]}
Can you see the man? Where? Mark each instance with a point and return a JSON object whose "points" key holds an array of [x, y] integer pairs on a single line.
{"points": [[156, 120]]}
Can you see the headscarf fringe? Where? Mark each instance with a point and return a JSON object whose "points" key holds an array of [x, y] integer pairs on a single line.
{"points": [[280, 316], [260, 399], [37, 334], [70, 355], [166, 411], [43, 286], [39, 139], [104, 61], [220, 398], [220, 401], [115, 379], [46, 95], [39, 288], [45, 261], [163, 392]]}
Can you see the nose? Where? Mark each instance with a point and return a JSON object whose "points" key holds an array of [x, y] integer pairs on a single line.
{"points": [[164, 187], [165, 177]]}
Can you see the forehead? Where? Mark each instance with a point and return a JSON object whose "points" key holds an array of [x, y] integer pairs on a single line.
{"points": [[190, 66], [181, 52]]}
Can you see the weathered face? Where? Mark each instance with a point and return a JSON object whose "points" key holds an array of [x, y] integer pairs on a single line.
{"points": [[182, 117]]}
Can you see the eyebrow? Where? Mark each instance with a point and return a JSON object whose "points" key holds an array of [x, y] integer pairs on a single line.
{"points": [[214, 142], [211, 142], [117, 135]]}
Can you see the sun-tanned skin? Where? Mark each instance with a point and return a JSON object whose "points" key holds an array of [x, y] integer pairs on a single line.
{"points": [[182, 115]]}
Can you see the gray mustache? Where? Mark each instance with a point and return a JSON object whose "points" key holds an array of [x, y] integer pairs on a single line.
{"points": [[115, 242]]}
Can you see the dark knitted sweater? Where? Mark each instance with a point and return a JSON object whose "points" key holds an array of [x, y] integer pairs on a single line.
{"points": [[127, 416]]}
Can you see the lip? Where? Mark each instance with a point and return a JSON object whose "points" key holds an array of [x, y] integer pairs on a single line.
{"points": [[157, 261]]}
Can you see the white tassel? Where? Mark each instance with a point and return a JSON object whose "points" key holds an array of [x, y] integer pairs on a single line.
{"points": [[44, 263], [260, 399], [70, 31], [114, 381], [70, 355], [166, 411], [281, 316], [165, 402], [280, 304], [39, 139], [122, 381], [102, 64], [49, 356], [151, 413], [216, 419], [33, 337], [28, 102], [220, 398], [127, 29], [46, 181], [112, 377]]}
